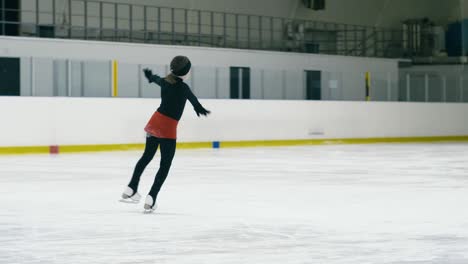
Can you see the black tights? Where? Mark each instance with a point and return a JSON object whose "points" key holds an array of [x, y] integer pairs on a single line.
{"points": [[168, 147]]}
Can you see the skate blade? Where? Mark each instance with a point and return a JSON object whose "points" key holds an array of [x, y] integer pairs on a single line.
{"points": [[130, 201], [148, 211]]}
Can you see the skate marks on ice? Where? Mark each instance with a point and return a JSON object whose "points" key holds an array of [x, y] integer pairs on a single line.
{"points": [[137, 207], [330, 204], [128, 201]]}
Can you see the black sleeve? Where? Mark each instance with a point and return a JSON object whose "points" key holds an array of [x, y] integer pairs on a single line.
{"points": [[192, 98], [156, 79]]}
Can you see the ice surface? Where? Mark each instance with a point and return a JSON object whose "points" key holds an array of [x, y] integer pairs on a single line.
{"points": [[323, 204]]}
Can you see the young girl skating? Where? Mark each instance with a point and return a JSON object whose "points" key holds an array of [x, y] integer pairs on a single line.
{"points": [[162, 127]]}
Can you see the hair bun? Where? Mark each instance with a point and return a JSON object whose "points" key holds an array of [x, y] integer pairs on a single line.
{"points": [[180, 65]]}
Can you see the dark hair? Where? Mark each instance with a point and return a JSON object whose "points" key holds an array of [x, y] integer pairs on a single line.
{"points": [[170, 78], [180, 65]]}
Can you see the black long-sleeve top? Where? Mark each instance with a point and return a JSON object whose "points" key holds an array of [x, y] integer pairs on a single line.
{"points": [[174, 96]]}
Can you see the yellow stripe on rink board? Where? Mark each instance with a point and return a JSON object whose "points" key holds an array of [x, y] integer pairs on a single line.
{"points": [[99, 148], [125, 147], [194, 145], [279, 143], [230, 144], [24, 150]]}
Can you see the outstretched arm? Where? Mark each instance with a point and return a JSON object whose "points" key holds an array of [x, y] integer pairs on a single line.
{"points": [[199, 109], [152, 78]]}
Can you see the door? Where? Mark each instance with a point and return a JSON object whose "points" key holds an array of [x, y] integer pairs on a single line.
{"points": [[314, 85], [9, 76]]}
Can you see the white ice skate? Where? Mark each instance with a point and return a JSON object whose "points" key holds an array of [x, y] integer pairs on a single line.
{"points": [[129, 196], [150, 205]]}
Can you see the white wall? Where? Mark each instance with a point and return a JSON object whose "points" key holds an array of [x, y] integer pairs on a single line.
{"points": [[280, 69], [162, 54], [444, 82], [63, 121]]}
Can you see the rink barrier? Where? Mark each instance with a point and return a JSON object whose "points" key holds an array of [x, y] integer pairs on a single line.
{"points": [[225, 144]]}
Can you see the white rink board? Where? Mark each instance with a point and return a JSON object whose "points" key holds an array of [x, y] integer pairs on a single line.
{"points": [[327, 204], [32, 121]]}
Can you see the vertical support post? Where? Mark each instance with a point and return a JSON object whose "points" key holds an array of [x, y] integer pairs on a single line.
{"points": [[37, 13], [389, 86], [199, 28], [408, 87], [3, 18], [101, 19], [346, 40], [444, 88], [159, 25], [248, 31], [140, 89], [364, 42], [37, 17], [145, 25], [304, 86], [53, 12], [262, 83], [283, 80], [355, 40], [116, 20], [130, 21], [224, 30], [283, 40], [69, 78], [460, 99], [426, 87], [83, 77], [33, 76], [376, 43], [212, 28], [237, 31], [260, 28], [462, 16], [186, 38], [338, 50], [217, 83], [172, 26], [272, 32], [341, 86], [69, 18], [55, 90], [85, 19]]}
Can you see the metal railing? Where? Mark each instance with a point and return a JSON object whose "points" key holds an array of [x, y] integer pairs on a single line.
{"points": [[100, 20]]}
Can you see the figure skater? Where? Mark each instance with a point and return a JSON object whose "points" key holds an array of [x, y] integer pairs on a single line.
{"points": [[162, 128]]}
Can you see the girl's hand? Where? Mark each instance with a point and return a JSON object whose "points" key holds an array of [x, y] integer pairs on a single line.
{"points": [[200, 110], [148, 74]]}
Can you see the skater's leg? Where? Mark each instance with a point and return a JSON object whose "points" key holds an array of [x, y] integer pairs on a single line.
{"points": [[168, 147], [150, 149]]}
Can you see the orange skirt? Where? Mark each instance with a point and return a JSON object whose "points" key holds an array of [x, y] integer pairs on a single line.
{"points": [[162, 126]]}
